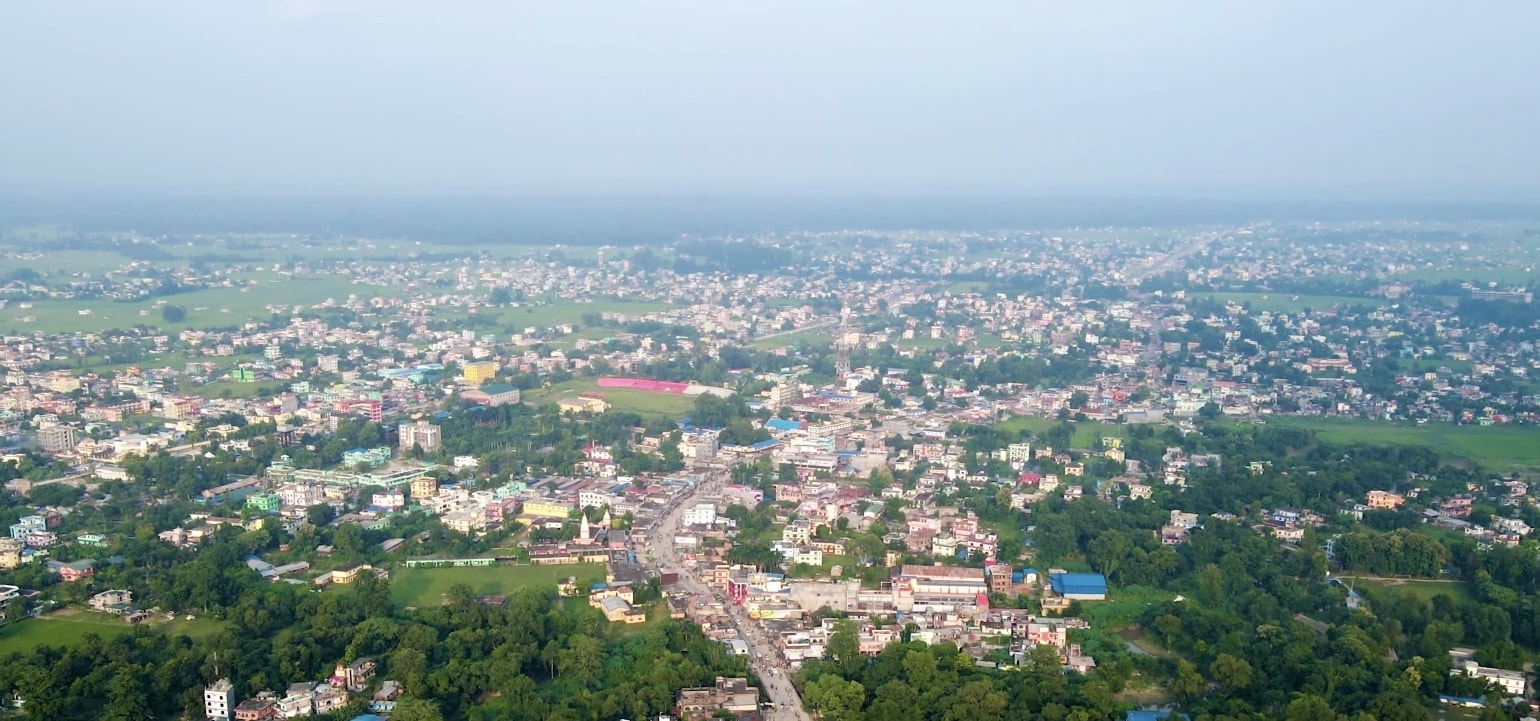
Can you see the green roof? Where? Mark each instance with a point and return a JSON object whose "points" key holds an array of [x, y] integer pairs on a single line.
{"points": [[498, 389]]}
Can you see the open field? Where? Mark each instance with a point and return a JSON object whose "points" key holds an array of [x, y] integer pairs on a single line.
{"points": [[1086, 432], [235, 389], [70, 626], [1498, 448], [1420, 589], [214, 307], [556, 313], [422, 587], [620, 399], [811, 336], [1289, 303]]}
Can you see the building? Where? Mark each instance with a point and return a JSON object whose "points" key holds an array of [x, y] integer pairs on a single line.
{"points": [[354, 676], [939, 588], [1078, 586], [219, 700], [546, 509], [422, 434], [10, 552], [298, 701], [479, 372], [1385, 500], [733, 695], [116, 602], [1511, 682], [700, 514], [784, 395], [261, 708], [494, 395], [58, 439]]}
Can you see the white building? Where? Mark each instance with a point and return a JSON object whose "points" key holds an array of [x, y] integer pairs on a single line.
{"points": [[219, 700], [1511, 682], [701, 514], [423, 434]]}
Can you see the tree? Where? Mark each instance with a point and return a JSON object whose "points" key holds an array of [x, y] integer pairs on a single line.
{"points": [[415, 709], [844, 647], [501, 296], [1188, 684], [173, 314], [1230, 672]]}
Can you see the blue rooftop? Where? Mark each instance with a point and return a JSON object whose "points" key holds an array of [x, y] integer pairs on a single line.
{"points": [[781, 424], [764, 445], [1066, 584], [370, 717]]}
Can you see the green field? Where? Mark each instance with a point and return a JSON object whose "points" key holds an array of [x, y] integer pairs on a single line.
{"points": [[1498, 448], [1422, 590], [811, 336], [620, 399], [236, 389], [1289, 303], [215, 307], [1086, 432], [556, 313], [423, 587], [69, 626]]}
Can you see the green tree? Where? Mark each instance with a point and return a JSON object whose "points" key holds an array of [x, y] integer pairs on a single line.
{"points": [[415, 709]]}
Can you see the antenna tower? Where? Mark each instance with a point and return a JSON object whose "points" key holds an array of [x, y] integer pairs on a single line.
{"points": [[842, 346]]}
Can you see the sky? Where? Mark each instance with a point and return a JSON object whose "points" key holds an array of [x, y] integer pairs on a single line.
{"points": [[1367, 99]]}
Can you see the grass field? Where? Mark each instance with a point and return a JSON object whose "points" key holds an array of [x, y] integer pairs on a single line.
{"points": [[811, 336], [1422, 590], [236, 389], [215, 307], [565, 311], [69, 626], [1086, 432], [1288, 303], [620, 399], [423, 587], [1498, 448]]}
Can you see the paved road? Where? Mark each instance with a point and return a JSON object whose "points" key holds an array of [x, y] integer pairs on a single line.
{"points": [[764, 658]]}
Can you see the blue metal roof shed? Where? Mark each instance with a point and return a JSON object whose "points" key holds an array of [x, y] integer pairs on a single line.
{"points": [[1080, 586]]}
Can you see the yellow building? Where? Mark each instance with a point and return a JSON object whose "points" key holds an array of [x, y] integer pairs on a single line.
{"points": [[546, 509], [424, 487], [581, 404], [479, 372]]}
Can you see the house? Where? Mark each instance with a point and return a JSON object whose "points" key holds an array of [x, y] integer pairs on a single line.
{"points": [[354, 676], [74, 570], [384, 700], [260, 708], [1385, 500], [116, 602], [298, 701]]}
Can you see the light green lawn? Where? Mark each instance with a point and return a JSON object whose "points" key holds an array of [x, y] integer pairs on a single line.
{"points": [[424, 587]]}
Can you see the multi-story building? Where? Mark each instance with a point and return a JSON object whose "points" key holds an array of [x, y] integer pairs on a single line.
{"points": [[219, 700], [10, 552], [422, 434], [700, 514], [917, 588], [479, 372], [733, 695], [57, 439], [1385, 500]]}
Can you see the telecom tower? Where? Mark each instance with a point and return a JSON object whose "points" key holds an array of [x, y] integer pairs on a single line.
{"points": [[842, 346]]}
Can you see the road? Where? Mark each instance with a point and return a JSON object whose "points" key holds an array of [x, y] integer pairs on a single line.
{"points": [[657, 548]]}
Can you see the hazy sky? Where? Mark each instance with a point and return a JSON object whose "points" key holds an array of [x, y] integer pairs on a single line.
{"points": [[1359, 98]]}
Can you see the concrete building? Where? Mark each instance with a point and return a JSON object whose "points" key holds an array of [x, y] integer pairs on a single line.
{"points": [[219, 700], [479, 372], [422, 434], [493, 395], [700, 514], [58, 439], [939, 588], [733, 695]]}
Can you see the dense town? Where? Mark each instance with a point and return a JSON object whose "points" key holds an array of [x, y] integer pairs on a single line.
{"points": [[821, 452]]}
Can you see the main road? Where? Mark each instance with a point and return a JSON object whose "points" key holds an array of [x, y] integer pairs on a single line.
{"points": [[657, 547]]}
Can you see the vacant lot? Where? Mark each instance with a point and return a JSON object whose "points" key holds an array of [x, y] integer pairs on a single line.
{"points": [[1498, 448], [424, 587], [1086, 432]]}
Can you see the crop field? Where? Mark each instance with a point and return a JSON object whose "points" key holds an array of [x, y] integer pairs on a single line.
{"points": [[1498, 448], [423, 587], [69, 626], [1289, 303]]}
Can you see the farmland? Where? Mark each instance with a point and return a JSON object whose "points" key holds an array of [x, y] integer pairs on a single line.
{"points": [[423, 587], [1498, 448]]}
